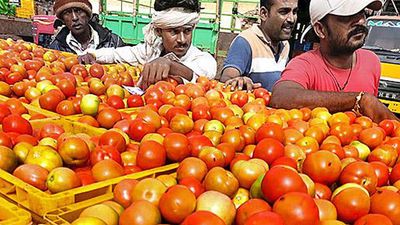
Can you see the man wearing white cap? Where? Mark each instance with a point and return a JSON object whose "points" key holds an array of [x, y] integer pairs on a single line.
{"points": [[167, 50], [339, 75]]}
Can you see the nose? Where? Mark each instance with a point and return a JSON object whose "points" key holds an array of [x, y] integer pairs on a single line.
{"points": [[181, 37], [74, 15], [361, 18], [291, 18]]}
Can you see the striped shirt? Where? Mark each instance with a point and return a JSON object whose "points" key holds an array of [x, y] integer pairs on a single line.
{"points": [[250, 53]]}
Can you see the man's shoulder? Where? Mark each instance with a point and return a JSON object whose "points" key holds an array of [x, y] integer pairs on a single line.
{"points": [[311, 56], [365, 53]]}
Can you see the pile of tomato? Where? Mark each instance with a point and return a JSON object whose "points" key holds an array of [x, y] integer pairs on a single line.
{"points": [[240, 162]]}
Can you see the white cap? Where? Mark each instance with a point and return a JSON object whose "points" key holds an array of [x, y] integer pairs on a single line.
{"points": [[320, 8]]}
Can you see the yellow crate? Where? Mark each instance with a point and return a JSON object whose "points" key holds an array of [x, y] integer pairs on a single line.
{"points": [[32, 110], [392, 105], [26, 10], [76, 117], [11, 214], [40, 202], [66, 215]]}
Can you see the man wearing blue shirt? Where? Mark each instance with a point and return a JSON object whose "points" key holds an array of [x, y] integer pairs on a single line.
{"points": [[258, 55]]}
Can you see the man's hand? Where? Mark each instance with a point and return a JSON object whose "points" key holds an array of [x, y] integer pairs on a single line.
{"points": [[241, 83], [154, 71], [374, 109], [87, 59]]}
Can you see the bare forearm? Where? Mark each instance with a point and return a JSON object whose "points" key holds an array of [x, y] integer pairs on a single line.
{"points": [[178, 69], [289, 98], [229, 73]]}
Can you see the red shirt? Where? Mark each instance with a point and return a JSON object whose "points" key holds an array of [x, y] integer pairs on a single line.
{"points": [[312, 72]]}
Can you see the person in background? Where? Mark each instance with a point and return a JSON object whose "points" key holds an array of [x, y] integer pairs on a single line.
{"points": [[167, 50], [80, 32], [339, 75], [259, 54]]}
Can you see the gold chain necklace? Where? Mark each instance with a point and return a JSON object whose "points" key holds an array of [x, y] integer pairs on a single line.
{"points": [[333, 76]]}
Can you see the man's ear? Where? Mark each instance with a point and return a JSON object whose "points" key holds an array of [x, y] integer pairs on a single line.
{"points": [[320, 30], [158, 31], [264, 12]]}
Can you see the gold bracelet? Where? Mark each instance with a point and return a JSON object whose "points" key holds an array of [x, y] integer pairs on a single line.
{"points": [[357, 106]]}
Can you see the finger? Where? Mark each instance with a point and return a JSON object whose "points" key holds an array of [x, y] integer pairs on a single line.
{"points": [[233, 85], [257, 85], [227, 83], [92, 59], [152, 74], [140, 82], [240, 84], [143, 75], [165, 72], [249, 85]]}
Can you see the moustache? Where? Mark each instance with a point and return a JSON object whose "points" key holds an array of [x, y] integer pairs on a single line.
{"points": [[358, 30]]}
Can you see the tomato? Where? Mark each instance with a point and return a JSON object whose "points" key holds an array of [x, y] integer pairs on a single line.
{"points": [[373, 219], [361, 173], [364, 121], [201, 112], [139, 128], [135, 101], [249, 208], [351, 203], [387, 126], [5, 140], [192, 167], [26, 138], [151, 117], [173, 111], [193, 184], [387, 203], [108, 117], [372, 137], [197, 143], [49, 101], [322, 167], [221, 113], [343, 132], [15, 106], [85, 175], [334, 148], [395, 174], [15, 123], [96, 70], [228, 152], [286, 161], [33, 65], [65, 108], [105, 152], [32, 174], [177, 147], [327, 210], [139, 212], [221, 180], [297, 208], [203, 218], [67, 87], [113, 138], [322, 191], [151, 154], [79, 70], [177, 203], [107, 169], [265, 218], [4, 111], [395, 142], [181, 124], [89, 120], [122, 192], [279, 181], [182, 101], [269, 150], [239, 98], [234, 138]]}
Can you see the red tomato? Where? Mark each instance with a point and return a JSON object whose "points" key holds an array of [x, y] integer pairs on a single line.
{"points": [[66, 108], [228, 151], [343, 132], [116, 102], [5, 140], [387, 126], [113, 138], [249, 208], [105, 152], [108, 117], [135, 101], [297, 208], [79, 70], [372, 137], [4, 111], [382, 172], [270, 130], [351, 203], [177, 147], [89, 120], [122, 192], [201, 112], [322, 191], [85, 175], [140, 212], [67, 87], [260, 92], [322, 167], [107, 169], [395, 174], [387, 203], [193, 184], [32, 174], [279, 181], [239, 98], [139, 128], [373, 219], [51, 130], [15, 123], [269, 150], [197, 143], [96, 70], [265, 218], [192, 167], [151, 154], [286, 161], [173, 111], [203, 218], [26, 138], [361, 173], [177, 203], [49, 101]]}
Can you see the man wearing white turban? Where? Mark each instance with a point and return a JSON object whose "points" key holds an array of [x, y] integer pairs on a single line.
{"points": [[167, 50]]}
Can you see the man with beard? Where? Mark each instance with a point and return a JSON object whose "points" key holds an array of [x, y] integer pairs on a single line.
{"points": [[167, 50], [258, 55], [81, 32], [339, 75]]}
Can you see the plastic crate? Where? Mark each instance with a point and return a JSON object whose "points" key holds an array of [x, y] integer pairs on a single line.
{"points": [[32, 110], [66, 215], [26, 9], [11, 214]]}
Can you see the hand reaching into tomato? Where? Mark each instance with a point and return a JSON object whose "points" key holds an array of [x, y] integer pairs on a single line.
{"points": [[87, 59], [154, 71], [242, 83]]}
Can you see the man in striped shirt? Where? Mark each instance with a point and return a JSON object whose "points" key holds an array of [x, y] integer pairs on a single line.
{"points": [[258, 55]]}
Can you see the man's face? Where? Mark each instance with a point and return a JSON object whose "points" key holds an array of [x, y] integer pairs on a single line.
{"points": [[177, 40], [76, 20], [278, 22], [345, 34]]}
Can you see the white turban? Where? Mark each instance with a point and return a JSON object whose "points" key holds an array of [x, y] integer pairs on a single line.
{"points": [[169, 18]]}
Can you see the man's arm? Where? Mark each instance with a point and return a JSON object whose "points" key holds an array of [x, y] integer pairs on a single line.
{"points": [[289, 94]]}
